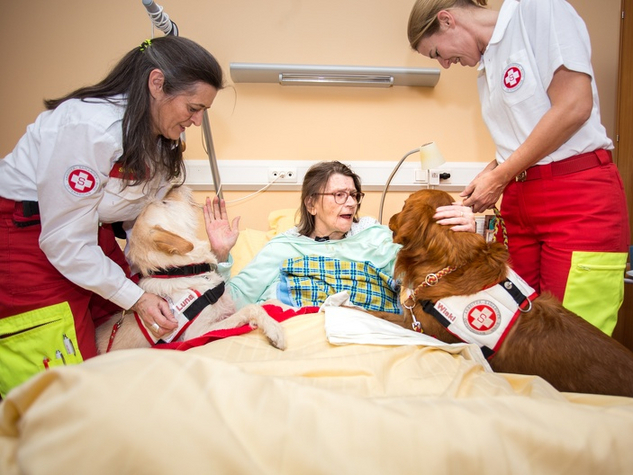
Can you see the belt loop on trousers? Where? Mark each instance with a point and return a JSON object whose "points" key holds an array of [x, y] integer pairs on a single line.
{"points": [[547, 171], [25, 213], [604, 156], [30, 208]]}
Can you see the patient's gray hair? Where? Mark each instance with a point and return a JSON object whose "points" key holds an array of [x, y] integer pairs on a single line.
{"points": [[315, 181]]}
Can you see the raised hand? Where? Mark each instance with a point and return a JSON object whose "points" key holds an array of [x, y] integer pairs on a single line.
{"points": [[222, 234]]}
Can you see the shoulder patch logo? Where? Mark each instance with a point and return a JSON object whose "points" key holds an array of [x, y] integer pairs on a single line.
{"points": [[513, 77], [81, 181]]}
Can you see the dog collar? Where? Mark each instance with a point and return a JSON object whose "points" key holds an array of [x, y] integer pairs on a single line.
{"points": [[430, 280], [407, 295], [434, 277], [191, 269]]}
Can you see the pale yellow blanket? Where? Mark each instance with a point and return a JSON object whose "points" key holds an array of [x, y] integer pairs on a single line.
{"points": [[239, 406]]}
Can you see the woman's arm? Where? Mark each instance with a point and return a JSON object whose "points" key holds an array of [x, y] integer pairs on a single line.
{"points": [[257, 280], [78, 147], [75, 158], [572, 100]]}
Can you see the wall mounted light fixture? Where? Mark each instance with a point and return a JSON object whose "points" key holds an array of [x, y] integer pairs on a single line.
{"points": [[322, 75]]}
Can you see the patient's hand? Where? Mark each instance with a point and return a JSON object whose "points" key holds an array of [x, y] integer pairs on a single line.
{"points": [[222, 234]]}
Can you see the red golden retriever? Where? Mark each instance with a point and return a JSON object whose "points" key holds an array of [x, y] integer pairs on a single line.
{"points": [[439, 267]]}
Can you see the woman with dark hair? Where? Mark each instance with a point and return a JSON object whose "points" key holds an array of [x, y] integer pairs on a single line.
{"points": [[331, 250], [93, 158]]}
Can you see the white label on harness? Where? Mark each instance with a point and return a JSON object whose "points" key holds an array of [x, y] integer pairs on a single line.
{"points": [[484, 318], [178, 303]]}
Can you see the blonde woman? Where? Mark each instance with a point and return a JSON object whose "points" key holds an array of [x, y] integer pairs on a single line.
{"points": [[563, 199]]}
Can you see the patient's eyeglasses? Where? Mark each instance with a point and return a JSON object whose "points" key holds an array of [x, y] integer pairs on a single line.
{"points": [[340, 197]]}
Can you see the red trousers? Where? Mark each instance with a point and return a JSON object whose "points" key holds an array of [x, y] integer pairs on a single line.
{"points": [[550, 218], [28, 281]]}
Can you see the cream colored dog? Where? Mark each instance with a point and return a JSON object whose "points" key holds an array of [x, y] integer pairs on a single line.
{"points": [[181, 268]]}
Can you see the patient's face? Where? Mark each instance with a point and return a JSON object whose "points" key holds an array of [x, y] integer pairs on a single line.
{"points": [[331, 218]]}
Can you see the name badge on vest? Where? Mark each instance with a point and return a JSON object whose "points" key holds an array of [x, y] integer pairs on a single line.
{"points": [[177, 304]]}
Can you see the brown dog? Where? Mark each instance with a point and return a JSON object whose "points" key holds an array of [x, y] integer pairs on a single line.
{"points": [[547, 340], [179, 267]]}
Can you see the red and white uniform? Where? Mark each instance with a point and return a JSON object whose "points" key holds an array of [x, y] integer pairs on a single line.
{"points": [[66, 163], [568, 229], [531, 40]]}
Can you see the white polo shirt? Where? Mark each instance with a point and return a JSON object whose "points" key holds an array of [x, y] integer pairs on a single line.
{"points": [[64, 162], [531, 40]]}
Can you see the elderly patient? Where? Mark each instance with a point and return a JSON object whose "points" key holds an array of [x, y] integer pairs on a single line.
{"points": [[331, 249]]}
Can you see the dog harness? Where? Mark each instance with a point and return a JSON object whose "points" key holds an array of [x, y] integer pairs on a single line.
{"points": [[185, 306], [484, 318]]}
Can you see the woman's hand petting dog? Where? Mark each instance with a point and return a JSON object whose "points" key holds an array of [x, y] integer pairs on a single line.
{"points": [[155, 313], [222, 234], [458, 215]]}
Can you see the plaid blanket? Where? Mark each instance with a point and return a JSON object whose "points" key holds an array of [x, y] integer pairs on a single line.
{"points": [[310, 280]]}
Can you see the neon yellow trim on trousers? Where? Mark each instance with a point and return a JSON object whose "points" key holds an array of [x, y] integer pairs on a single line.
{"points": [[31, 341], [595, 287]]}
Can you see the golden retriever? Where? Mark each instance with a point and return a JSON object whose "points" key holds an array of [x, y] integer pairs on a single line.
{"points": [[547, 340], [164, 243]]}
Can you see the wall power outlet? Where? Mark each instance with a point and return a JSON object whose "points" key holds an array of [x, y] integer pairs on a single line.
{"points": [[282, 175]]}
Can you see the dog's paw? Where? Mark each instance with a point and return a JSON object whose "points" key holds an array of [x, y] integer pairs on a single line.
{"points": [[276, 337], [274, 332], [272, 329]]}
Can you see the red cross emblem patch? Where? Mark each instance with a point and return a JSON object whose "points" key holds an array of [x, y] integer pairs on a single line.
{"points": [[482, 317], [81, 181], [512, 78]]}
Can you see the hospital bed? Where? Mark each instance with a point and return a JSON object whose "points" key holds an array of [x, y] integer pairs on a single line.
{"points": [[334, 402]]}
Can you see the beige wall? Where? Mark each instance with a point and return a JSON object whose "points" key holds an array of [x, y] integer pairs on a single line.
{"points": [[51, 47]]}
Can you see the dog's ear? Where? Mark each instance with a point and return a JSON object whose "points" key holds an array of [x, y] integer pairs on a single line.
{"points": [[412, 223], [170, 243]]}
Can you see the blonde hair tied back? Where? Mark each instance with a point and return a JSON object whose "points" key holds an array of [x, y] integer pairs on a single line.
{"points": [[422, 20]]}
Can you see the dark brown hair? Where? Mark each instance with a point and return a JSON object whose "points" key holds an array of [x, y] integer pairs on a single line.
{"points": [[183, 64]]}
